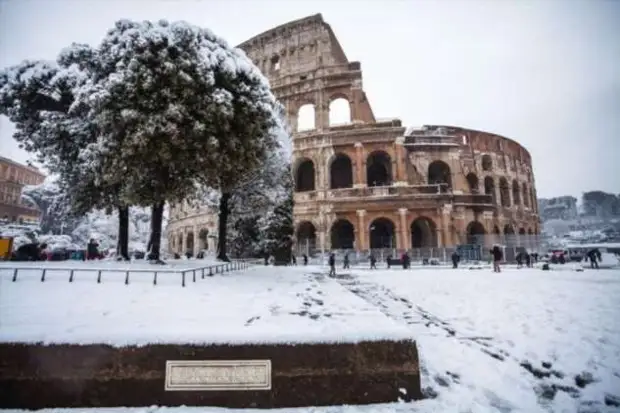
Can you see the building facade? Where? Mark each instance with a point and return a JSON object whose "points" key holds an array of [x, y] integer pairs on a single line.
{"points": [[363, 183], [13, 177]]}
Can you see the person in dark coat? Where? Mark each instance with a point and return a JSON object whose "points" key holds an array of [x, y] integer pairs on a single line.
{"points": [[345, 261], [332, 264], [388, 260], [373, 262], [92, 250], [305, 259], [519, 259], [497, 255], [406, 261], [293, 259], [455, 259], [528, 260], [30, 252], [593, 257]]}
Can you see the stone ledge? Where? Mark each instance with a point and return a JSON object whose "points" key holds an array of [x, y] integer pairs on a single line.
{"points": [[302, 375]]}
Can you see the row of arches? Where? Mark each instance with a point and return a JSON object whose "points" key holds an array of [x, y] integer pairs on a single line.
{"points": [[378, 172], [514, 194], [382, 234], [190, 242], [339, 114]]}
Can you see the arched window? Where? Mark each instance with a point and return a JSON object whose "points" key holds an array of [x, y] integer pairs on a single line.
{"points": [[304, 176], [439, 173], [423, 233], [341, 172], [475, 233], [516, 193], [339, 112], [305, 118], [342, 235], [504, 192], [382, 234], [306, 237], [378, 169], [472, 182], [487, 163]]}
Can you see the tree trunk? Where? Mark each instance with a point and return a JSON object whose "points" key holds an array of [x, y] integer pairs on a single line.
{"points": [[122, 249], [222, 224], [154, 245]]}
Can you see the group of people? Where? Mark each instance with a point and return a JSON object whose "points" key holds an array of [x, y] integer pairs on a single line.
{"points": [[40, 251]]}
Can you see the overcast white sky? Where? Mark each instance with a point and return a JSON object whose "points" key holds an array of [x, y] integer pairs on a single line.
{"points": [[546, 73]]}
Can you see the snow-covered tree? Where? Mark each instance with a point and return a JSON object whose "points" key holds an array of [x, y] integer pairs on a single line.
{"points": [[41, 98], [244, 237], [53, 204], [179, 105], [277, 226], [251, 183]]}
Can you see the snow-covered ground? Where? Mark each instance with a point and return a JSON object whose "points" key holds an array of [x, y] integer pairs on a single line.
{"points": [[258, 305], [520, 341]]}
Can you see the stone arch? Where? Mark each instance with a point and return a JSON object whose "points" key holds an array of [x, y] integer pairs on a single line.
{"points": [[342, 235], [472, 182], [306, 117], [516, 193], [423, 233], [203, 237], [526, 200], [529, 231], [306, 236], [382, 233], [189, 243], [504, 192], [304, 175], [487, 163], [439, 173], [275, 63], [378, 169], [475, 233], [341, 172], [489, 187], [508, 230], [339, 111], [522, 231]]}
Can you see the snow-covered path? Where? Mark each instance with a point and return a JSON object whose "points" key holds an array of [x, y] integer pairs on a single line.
{"points": [[523, 340]]}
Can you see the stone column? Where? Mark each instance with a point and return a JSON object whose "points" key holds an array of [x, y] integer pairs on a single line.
{"points": [[361, 230], [445, 227], [405, 240], [196, 241], [360, 172], [400, 179], [322, 244]]}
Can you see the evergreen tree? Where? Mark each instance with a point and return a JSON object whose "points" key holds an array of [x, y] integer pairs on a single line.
{"points": [[42, 99], [277, 228], [180, 106], [245, 237]]}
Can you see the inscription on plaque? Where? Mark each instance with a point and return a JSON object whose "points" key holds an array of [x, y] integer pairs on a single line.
{"points": [[218, 375]]}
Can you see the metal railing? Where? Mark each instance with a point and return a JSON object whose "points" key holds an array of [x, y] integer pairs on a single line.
{"points": [[208, 271]]}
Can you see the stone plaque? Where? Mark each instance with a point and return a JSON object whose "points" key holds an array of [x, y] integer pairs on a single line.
{"points": [[218, 375]]}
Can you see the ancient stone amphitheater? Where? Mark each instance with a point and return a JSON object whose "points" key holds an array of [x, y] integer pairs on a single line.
{"points": [[361, 183]]}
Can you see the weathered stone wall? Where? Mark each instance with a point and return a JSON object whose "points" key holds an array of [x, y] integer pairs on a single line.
{"points": [[35, 376]]}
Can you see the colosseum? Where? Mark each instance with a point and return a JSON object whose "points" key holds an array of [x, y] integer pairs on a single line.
{"points": [[363, 183]]}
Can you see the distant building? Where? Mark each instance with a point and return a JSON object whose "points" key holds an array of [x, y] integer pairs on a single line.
{"points": [[563, 207], [13, 177]]}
